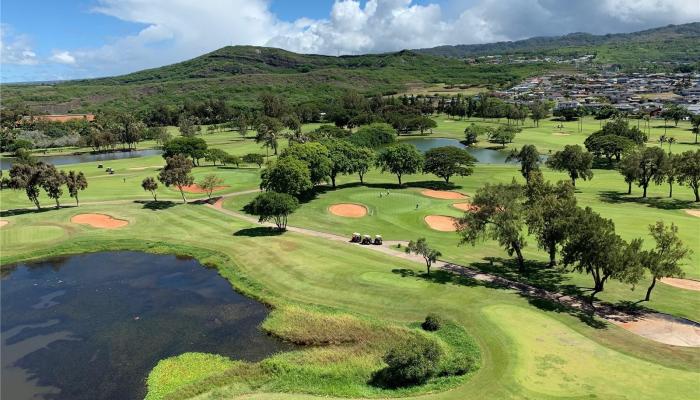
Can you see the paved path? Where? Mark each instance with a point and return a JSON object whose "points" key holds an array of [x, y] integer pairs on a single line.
{"points": [[659, 327]]}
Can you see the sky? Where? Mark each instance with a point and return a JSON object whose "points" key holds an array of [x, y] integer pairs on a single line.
{"points": [[44, 40]]}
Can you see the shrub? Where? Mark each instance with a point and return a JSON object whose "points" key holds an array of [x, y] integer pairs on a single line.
{"points": [[410, 363], [432, 323]]}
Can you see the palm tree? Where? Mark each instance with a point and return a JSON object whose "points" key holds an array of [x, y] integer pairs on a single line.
{"points": [[670, 141]]}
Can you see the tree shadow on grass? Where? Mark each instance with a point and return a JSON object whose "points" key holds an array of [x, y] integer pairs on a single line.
{"points": [[661, 203], [587, 316], [22, 211], [156, 205], [258, 231], [537, 273]]}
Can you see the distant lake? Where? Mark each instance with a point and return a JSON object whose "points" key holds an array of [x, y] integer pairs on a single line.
{"points": [[6, 162], [92, 326], [485, 156]]}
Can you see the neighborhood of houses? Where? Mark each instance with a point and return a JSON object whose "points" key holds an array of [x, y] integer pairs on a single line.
{"points": [[629, 93]]}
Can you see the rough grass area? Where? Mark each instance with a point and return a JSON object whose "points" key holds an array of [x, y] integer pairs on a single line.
{"points": [[344, 353]]}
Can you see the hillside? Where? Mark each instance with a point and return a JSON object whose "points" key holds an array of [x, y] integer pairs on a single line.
{"points": [[239, 74], [673, 43]]}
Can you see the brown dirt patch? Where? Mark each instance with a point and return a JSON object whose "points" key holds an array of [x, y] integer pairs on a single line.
{"points": [[465, 207], [665, 329], [441, 223], [99, 221], [443, 194], [219, 203], [694, 213], [348, 210], [197, 189], [687, 284], [3, 223]]}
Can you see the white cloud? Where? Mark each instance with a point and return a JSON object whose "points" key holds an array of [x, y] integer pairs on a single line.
{"points": [[62, 57], [176, 30], [15, 48]]}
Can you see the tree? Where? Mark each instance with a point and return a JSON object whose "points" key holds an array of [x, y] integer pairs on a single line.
{"points": [[422, 248], [664, 259], [424, 123], [362, 160], [273, 206], [254, 158], [316, 157], [186, 125], [576, 162], [27, 177], [341, 154], [689, 171], [499, 215], [268, 130], [593, 247], [177, 172], [549, 212], [287, 175], [448, 161], [472, 133], [373, 135], [193, 147], [608, 146], [52, 182], [209, 183], [670, 171], [400, 159], [695, 122], [215, 155], [503, 134], [629, 167], [150, 184], [538, 111], [651, 168], [75, 183], [529, 159]]}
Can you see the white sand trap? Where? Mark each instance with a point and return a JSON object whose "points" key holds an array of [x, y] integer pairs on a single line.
{"points": [[348, 210], [441, 223], [142, 168], [694, 213], [688, 284], [3, 223], [561, 134], [443, 194], [665, 329]]}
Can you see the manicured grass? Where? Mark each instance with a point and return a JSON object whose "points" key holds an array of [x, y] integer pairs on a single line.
{"points": [[292, 270], [396, 217], [548, 137]]}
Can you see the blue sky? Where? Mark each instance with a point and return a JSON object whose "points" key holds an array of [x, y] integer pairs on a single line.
{"points": [[89, 38]]}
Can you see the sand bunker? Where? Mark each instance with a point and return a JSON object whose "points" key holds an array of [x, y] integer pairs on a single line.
{"points": [[694, 213], [687, 284], [219, 203], [99, 221], [348, 210], [465, 207], [561, 134], [3, 223], [443, 194], [665, 329], [197, 189], [441, 223]]}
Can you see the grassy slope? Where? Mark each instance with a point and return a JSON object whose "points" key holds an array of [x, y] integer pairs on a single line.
{"points": [[351, 279]]}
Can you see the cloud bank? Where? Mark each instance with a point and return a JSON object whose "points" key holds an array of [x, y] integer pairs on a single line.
{"points": [[177, 30]]}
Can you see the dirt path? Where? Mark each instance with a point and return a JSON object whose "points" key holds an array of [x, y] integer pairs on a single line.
{"points": [[658, 327], [688, 284]]}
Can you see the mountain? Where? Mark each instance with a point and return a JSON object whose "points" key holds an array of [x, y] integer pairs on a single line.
{"points": [[672, 43], [239, 74]]}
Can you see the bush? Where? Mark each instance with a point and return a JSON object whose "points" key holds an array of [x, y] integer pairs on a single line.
{"points": [[410, 363], [432, 323]]}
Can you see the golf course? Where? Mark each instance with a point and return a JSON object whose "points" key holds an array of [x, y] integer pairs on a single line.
{"points": [[343, 305]]}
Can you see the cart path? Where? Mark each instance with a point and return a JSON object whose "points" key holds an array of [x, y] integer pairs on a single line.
{"points": [[655, 326]]}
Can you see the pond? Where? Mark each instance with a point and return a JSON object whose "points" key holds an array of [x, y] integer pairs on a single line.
{"points": [[92, 326], [485, 156], [6, 162]]}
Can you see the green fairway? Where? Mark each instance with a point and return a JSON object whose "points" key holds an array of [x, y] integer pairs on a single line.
{"points": [[349, 279]]}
